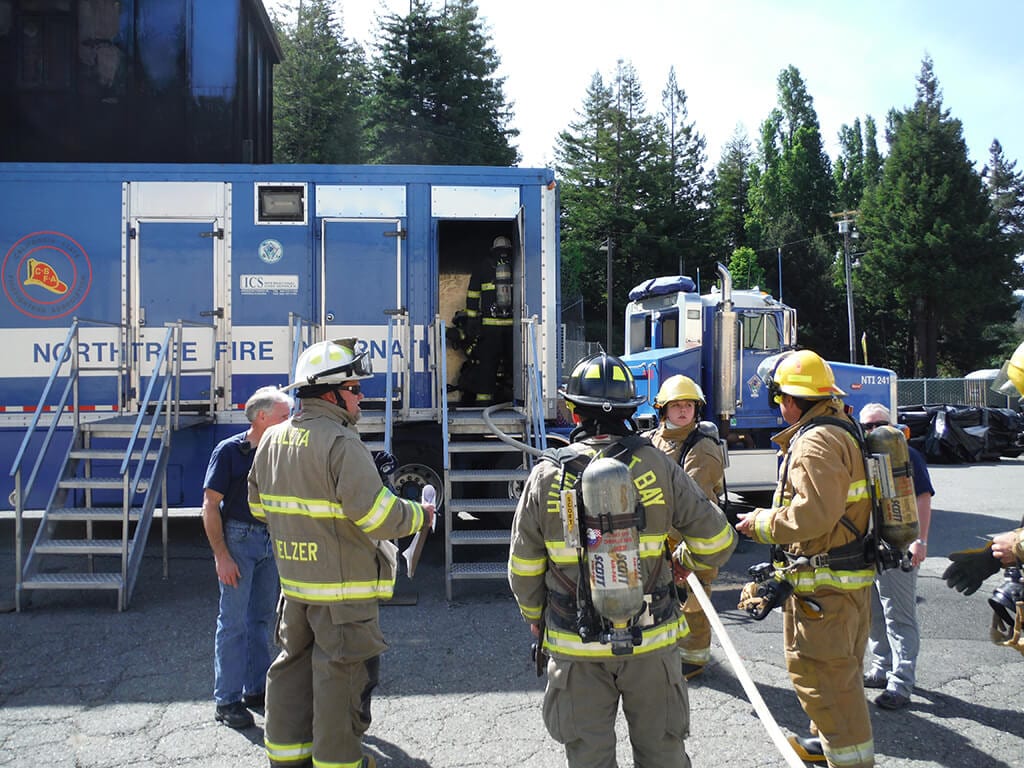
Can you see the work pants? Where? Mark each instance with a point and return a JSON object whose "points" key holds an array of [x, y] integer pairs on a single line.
{"points": [[581, 702], [492, 353], [695, 648], [241, 646], [895, 638], [825, 660], [319, 687]]}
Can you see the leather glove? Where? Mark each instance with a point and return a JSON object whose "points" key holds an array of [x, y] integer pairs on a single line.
{"points": [[970, 567], [385, 461], [750, 600]]}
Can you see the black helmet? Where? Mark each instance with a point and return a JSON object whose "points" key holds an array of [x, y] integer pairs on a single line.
{"points": [[602, 381]]}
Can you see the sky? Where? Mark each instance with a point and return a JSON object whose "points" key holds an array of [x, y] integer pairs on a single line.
{"points": [[859, 58]]}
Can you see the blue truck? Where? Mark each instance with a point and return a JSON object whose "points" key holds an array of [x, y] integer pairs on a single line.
{"points": [[143, 304], [719, 339]]}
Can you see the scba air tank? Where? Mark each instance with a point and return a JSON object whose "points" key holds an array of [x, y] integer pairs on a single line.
{"points": [[896, 486], [503, 289], [613, 541]]}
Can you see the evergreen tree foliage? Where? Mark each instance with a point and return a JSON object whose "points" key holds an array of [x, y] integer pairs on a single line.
{"points": [[679, 219], [637, 180], [436, 99], [730, 189], [791, 198], [745, 270], [937, 275], [319, 89], [1005, 186]]}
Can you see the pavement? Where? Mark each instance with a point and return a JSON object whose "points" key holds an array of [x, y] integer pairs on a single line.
{"points": [[84, 686]]}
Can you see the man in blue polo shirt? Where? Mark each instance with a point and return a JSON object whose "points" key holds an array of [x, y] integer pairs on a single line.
{"points": [[895, 637], [244, 558]]}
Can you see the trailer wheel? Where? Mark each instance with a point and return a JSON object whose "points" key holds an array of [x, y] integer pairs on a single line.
{"points": [[416, 470]]}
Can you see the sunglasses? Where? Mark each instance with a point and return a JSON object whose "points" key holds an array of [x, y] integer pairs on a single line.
{"points": [[355, 389], [872, 424]]}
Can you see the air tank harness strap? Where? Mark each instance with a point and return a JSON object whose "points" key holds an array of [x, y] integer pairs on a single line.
{"points": [[852, 556], [563, 613]]}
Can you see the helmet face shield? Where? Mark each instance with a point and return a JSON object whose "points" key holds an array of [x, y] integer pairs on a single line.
{"points": [[1009, 381], [766, 373]]}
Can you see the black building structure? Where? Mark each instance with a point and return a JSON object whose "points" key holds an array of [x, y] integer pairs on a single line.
{"points": [[168, 81]]}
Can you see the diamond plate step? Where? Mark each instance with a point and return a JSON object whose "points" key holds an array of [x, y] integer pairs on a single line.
{"points": [[81, 547], [479, 570], [463, 537], [73, 581]]}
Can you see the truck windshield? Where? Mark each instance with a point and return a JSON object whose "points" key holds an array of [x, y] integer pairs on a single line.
{"points": [[761, 331]]}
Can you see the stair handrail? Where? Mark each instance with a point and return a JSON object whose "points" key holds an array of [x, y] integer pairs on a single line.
{"points": [[176, 362], [163, 361], [535, 389], [441, 390], [68, 354], [298, 327], [389, 385]]}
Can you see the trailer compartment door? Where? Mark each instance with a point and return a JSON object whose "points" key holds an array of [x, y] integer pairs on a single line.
{"points": [[362, 283], [176, 281]]}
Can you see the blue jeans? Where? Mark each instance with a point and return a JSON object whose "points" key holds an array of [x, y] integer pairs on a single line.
{"points": [[895, 638], [246, 615]]}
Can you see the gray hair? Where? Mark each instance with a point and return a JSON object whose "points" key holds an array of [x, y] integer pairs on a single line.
{"points": [[872, 408], [264, 399]]}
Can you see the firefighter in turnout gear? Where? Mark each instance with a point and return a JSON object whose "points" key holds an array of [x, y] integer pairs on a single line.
{"points": [[486, 376], [816, 525], [330, 517], [680, 403], [558, 575]]}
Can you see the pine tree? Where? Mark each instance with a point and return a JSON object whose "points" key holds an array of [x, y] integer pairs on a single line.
{"points": [[436, 97], [937, 270], [791, 198], [730, 189], [319, 91]]}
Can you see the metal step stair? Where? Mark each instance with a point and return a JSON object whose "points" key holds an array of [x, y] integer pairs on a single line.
{"points": [[90, 537], [482, 481]]}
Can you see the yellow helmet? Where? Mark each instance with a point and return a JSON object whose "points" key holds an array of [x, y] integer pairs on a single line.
{"points": [[1011, 377], [801, 374], [679, 387]]}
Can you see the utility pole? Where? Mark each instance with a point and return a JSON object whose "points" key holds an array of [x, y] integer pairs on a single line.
{"points": [[608, 246], [845, 224]]}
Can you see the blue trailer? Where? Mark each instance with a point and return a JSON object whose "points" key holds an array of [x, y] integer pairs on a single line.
{"points": [[146, 290], [719, 339]]}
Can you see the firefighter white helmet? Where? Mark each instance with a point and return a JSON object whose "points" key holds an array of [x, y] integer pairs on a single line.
{"points": [[501, 244], [331, 362]]}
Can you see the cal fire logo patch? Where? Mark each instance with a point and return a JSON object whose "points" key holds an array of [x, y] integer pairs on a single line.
{"points": [[46, 275]]}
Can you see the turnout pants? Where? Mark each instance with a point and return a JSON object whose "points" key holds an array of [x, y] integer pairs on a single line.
{"points": [[319, 687], [825, 660], [582, 698], [695, 648]]}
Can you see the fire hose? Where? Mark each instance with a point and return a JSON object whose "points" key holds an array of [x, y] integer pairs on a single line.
{"points": [[763, 713]]}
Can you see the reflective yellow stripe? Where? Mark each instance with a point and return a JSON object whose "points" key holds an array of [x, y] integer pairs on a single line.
{"points": [[717, 543], [559, 553], [652, 545], [531, 612], [858, 491], [471, 294], [257, 511], [806, 581], [654, 639], [288, 753], [381, 508], [486, 287], [855, 754], [293, 505], [325, 764], [335, 592], [521, 566]]}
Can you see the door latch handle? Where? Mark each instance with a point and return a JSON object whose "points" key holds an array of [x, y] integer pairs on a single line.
{"points": [[218, 312]]}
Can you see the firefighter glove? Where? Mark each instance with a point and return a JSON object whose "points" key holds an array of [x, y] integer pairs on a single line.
{"points": [[970, 567], [750, 600], [385, 461]]}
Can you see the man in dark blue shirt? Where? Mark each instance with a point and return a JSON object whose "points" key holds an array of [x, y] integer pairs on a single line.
{"points": [[895, 638], [244, 559]]}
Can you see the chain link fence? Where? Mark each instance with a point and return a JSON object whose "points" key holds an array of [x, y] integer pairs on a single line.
{"points": [[975, 392]]}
